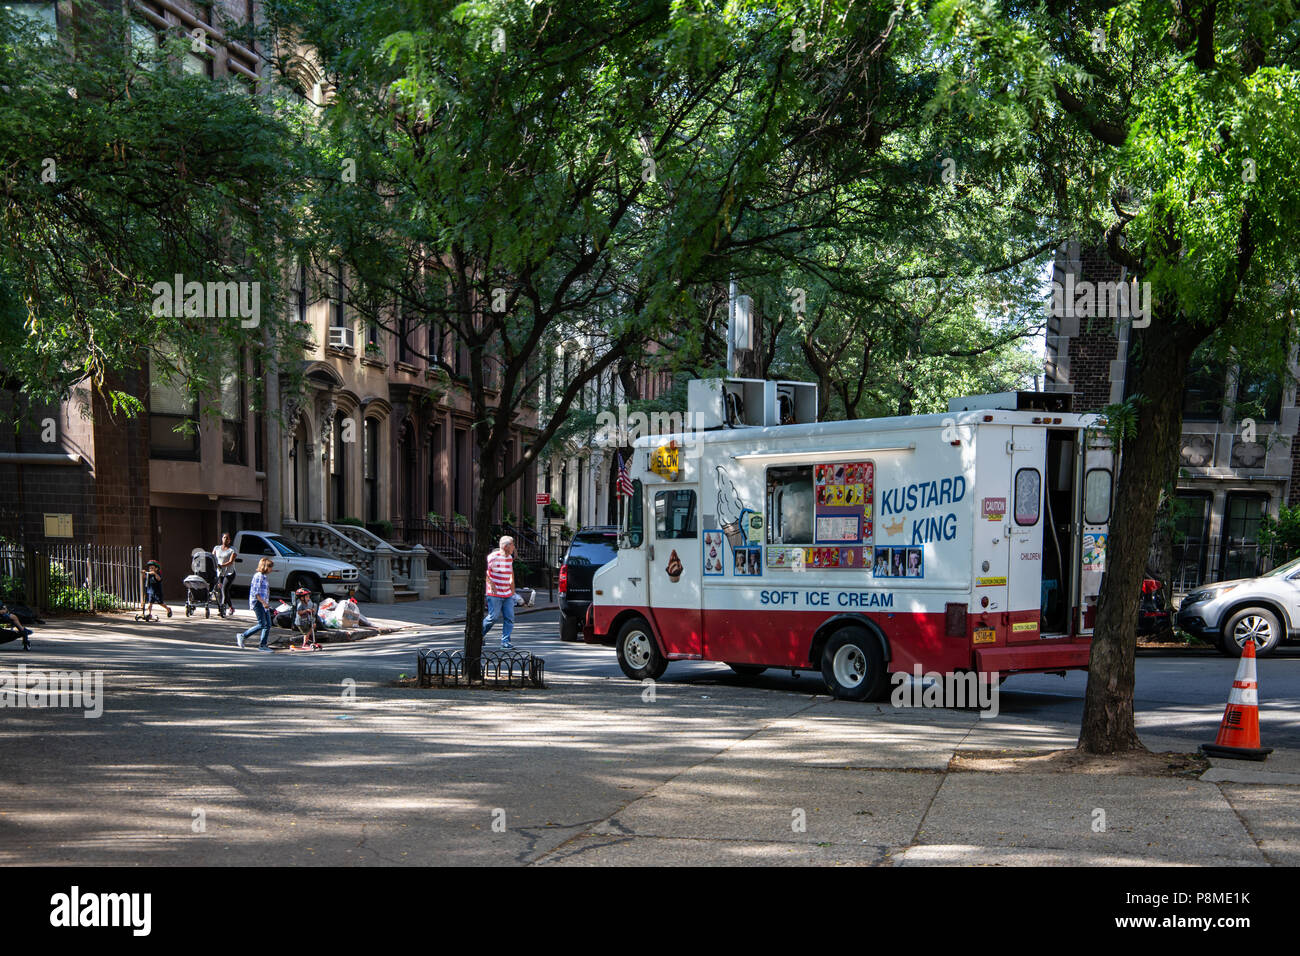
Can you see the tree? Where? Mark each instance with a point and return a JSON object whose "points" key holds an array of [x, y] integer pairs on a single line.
{"points": [[1179, 134], [528, 174], [120, 171]]}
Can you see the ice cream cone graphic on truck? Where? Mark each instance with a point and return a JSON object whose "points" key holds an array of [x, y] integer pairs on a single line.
{"points": [[674, 568]]}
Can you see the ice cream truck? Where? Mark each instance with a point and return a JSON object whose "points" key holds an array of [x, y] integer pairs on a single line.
{"points": [[972, 540]]}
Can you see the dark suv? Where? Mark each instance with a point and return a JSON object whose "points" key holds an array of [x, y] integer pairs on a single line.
{"points": [[590, 548]]}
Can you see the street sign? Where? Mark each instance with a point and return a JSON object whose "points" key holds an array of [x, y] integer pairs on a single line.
{"points": [[543, 497]]}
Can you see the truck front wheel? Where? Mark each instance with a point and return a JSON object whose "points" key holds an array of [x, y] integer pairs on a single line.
{"points": [[308, 581], [853, 665], [638, 654]]}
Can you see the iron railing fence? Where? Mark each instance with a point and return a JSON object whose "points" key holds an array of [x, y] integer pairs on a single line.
{"points": [[73, 577]]}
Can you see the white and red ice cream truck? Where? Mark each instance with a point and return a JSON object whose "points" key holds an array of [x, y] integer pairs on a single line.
{"points": [[968, 541]]}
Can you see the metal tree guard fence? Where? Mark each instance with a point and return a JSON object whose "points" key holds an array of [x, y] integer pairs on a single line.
{"points": [[74, 577], [502, 668]]}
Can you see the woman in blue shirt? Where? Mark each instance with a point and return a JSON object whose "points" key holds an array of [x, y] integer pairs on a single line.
{"points": [[259, 599]]}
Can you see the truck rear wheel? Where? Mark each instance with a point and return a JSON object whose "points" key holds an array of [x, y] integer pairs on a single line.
{"points": [[853, 665], [638, 654]]}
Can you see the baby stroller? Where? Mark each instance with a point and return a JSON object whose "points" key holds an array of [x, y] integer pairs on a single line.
{"points": [[200, 586]]}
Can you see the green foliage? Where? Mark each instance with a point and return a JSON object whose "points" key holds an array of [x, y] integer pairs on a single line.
{"points": [[120, 170], [1280, 536], [66, 594], [11, 589], [1120, 419]]}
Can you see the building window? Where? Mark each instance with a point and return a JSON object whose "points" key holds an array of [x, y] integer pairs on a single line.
{"points": [[370, 455], [173, 414], [404, 328], [1203, 391], [233, 404], [144, 44], [1259, 395], [44, 17], [299, 288], [1241, 520], [1191, 525], [340, 331], [338, 317], [338, 468]]}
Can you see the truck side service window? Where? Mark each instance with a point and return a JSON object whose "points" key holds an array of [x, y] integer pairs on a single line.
{"points": [[1096, 496], [675, 514], [635, 518], [1029, 488], [790, 505]]}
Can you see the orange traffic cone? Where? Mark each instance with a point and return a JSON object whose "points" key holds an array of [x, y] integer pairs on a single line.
{"points": [[1239, 731]]}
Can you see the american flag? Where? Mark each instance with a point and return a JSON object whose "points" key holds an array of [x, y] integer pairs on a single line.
{"points": [[624, 482]]}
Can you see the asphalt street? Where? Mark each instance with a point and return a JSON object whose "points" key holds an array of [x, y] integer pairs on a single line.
{"points": [[205, 754]]}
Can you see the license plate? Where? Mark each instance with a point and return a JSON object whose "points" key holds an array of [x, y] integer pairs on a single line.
{"points": [[985, 635]]}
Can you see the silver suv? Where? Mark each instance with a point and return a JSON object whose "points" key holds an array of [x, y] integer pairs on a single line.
{"points": [[1265, 609]]}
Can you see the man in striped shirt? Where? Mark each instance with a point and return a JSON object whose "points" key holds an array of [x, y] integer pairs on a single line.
{"points": [[501, 590]]}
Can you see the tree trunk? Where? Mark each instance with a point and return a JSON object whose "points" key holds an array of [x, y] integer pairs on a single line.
{"points": [[1147, 462], [475, 600]]}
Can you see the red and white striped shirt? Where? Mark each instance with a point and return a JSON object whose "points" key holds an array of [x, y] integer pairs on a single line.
{"points": [[500, 574]]}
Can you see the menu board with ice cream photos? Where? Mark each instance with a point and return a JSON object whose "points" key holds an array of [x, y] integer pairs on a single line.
{"points": [[844, 502]]}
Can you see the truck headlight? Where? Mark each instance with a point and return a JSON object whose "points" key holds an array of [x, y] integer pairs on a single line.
{"points": [[334, 576]]}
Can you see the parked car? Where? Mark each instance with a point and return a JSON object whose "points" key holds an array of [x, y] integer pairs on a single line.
{"points": [[1265, 609], [294, 567], [590, 549], [1154, 616]]}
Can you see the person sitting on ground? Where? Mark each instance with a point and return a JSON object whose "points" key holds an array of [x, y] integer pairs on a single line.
{"points": [[9, 617], [153, 590], [305, 619]]}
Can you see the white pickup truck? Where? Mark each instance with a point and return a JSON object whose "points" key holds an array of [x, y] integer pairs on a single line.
{"points": [[293, 568]]}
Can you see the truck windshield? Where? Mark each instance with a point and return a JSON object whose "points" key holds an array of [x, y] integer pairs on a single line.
{"points": [[285, 548]]}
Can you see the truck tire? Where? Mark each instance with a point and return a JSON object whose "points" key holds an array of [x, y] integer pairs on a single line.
{"points": [[1252, 622], [300, 579], [569, 629], [638, 654], [853, 666], [747, 670]]}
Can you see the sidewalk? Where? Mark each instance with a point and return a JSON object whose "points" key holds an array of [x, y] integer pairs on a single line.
{"points": [[383, 618]]}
